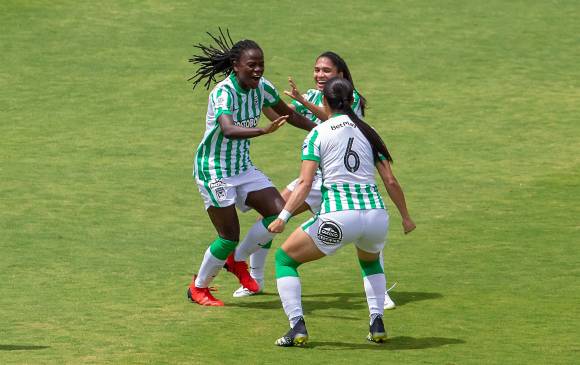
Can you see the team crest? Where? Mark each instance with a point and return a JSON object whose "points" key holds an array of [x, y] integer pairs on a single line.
{"points": [[218, 188], [222, 102], [329, 233]]}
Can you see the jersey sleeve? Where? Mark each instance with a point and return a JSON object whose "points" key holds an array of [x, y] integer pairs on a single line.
{"points": [[300, 108], [311, 146], [311, 96], [271, 96], [222, 102], [356, 107]]}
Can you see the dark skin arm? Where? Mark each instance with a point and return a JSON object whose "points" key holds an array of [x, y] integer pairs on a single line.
{"points": [[232, 131], [297, 120]]}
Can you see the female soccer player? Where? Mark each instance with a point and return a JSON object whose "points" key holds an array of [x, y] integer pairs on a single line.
{"points": [[327, 66], [347, 150], [224, 173]]}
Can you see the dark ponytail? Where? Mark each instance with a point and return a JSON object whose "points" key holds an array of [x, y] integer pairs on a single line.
{"points": [[220, 59], [338, 94], [341, 66]]}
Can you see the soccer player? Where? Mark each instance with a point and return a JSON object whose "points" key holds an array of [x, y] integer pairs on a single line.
{"points": [[327, 65], [347, 150], [223, 170]]}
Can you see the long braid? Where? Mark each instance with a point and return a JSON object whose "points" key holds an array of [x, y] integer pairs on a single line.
{"points": [[338, 94], [218, 59]]}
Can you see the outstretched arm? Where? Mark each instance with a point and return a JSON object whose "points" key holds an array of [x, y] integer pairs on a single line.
{"points": [[271, 114], [297, 120], [232, 131], [301, 191], [396, 194]]}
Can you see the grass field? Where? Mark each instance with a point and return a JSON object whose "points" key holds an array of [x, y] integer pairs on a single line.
{"points": [[101, 225]]}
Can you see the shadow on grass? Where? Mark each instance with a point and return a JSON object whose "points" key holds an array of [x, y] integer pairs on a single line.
{"points": [[312, 302], [22, 347], [392, 344], [403, 297]]}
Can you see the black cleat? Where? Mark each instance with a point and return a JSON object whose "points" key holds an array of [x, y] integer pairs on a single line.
{"points": [[297, 336], [377, 331]]}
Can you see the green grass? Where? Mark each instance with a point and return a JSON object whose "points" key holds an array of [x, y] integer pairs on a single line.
{"points": [[101, 225]]}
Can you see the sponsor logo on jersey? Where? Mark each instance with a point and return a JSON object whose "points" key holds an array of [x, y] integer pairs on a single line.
{"points": [[343, 124], [218, 188], [248, 123], [329, 233]]}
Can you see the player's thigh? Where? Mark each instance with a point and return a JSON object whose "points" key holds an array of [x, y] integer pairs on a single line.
{"points": [[375, 223], [225, 220], [331, 231], [301, 247], [266, 201]]}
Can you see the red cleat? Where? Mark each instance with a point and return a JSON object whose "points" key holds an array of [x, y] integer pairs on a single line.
{"points": [[240, 269], [202, 296]]}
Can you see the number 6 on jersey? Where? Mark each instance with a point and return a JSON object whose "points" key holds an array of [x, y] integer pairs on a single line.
{"points": [[351, 159]]}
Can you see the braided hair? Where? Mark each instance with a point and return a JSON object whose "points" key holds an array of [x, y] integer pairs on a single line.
{"points": [[338, 94], [341, 66], [219, 58]]}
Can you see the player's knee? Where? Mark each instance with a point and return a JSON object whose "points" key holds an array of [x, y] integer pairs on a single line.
{"points": [[230, 233], [221, 247], [285, 265], [371, 267]]}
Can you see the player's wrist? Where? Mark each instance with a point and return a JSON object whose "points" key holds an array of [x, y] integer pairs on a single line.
{"points": [[285, 215]]}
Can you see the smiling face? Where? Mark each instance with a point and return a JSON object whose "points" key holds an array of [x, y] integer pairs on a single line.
{"points": [[249, 68], [324, 70]]}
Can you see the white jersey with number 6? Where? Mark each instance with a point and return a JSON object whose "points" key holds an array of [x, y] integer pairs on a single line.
{"points": [[347, 165]]}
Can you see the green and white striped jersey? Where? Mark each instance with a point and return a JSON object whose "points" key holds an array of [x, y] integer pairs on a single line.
{"points": [[315, 97], [218, 156], [347, 164]]}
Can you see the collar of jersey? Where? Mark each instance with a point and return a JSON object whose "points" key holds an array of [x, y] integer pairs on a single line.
{"points": [[337, 115], [236, 85]]}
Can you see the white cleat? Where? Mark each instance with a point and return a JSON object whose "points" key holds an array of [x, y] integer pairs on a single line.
{"points": [[242, 292], [389, 304]]}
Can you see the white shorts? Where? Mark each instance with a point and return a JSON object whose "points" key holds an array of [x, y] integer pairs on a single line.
{"points": [[232, 190], [314, 198], [367, 229]]}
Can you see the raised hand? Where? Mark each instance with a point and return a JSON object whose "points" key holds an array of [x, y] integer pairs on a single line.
{"points": [[273, 127], [294, 93]]}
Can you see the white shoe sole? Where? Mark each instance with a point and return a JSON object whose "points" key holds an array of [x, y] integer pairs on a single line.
{"points": [[242, 292]]}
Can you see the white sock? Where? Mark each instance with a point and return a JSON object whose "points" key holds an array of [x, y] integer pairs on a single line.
{"points": [[290, 292], [210, 267], [375, 287], [382, 262], [257, 235], [257, 264]]}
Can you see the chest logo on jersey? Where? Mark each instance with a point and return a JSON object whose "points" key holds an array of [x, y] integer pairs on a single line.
{"points": [[248, 123], [329, 233], [219, 188]]}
